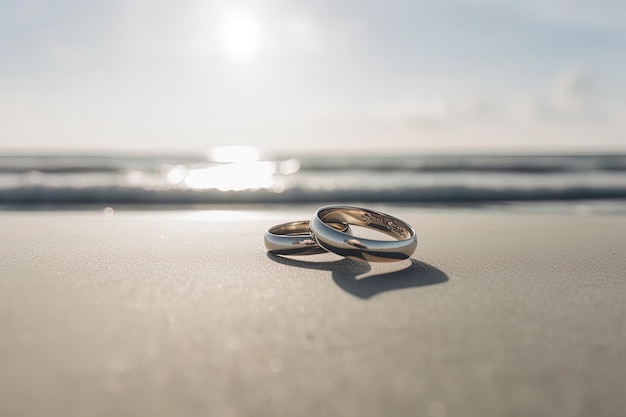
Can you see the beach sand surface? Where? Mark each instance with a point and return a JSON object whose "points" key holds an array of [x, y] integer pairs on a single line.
{"points": [[183, 313]]}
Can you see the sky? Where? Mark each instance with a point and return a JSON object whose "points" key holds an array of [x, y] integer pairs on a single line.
{"points": [[357, 76]]}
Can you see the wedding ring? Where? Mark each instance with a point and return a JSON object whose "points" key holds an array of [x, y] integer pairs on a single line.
{"points": [[353, 247], [294, 238]]}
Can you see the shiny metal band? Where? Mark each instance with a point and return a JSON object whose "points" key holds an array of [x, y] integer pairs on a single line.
{"points": [[362, 249], [294, 238]]}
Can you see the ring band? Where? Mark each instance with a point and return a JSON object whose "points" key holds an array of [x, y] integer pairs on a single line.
{"points": [[294, 238], [352, 247]]}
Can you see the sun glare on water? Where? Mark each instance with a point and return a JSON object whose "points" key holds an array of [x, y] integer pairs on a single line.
{"points": [[234, 168], [240, 34], [236, 176]]}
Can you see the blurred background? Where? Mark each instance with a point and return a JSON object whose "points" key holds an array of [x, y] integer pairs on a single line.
{"points": [[140, 94]]}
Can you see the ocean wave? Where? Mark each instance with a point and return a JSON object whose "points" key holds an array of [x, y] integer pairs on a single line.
{"points": [[31, 180]]}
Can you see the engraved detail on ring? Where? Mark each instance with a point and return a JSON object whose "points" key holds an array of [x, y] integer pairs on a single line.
{"points": [[370, 218]]}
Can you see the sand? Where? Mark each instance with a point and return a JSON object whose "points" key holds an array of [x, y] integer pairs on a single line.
{"points": [[167, 313]]}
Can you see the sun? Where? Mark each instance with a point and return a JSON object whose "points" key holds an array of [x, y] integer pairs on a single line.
{"points": [[240, 34]]}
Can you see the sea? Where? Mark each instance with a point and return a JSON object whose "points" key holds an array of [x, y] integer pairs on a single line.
{"points": [[588, 183]]}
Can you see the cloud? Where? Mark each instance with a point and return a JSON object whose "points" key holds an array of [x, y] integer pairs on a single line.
{"points": [[569, 98], [571, 94], [439, 112]]}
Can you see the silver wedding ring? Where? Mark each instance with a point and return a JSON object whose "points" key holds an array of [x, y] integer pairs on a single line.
{"points": [[294, 238], [353, 247], [329, 230]]}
